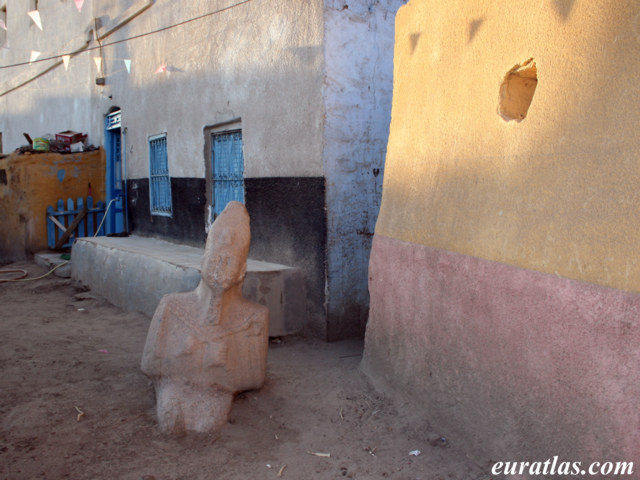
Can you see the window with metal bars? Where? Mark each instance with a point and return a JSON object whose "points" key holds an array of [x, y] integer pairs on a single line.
{"points": [[159, 180], [227, 166]]}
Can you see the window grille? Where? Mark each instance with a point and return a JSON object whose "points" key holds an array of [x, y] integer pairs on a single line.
{"points": [[228, 169], [159, 180], [114, 120]]}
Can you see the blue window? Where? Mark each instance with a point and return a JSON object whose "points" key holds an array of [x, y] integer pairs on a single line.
{"points": [[159, 180], [227, 165]]}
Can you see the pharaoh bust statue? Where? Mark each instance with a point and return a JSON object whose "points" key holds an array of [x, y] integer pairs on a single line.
{"points": [[206, 345]]}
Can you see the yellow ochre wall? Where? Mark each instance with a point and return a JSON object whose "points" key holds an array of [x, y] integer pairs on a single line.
{"points": [[558, 192], [36, 181]]}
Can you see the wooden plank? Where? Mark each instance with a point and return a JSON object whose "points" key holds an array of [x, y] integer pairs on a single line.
{"points": [[51, 228], [65, 236], [80, 229], [90, 216], [55, 220], [61, 216]]}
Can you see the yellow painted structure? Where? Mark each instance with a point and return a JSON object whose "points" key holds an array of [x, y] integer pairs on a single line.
{"points": [[557, 191], [30, 183]]}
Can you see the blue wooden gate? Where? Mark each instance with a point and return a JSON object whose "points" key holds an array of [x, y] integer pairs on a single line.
{"points": [[228, 169], [60, 219]]}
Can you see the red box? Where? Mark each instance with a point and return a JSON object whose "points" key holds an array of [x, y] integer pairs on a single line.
{"points": [[69, 137]]}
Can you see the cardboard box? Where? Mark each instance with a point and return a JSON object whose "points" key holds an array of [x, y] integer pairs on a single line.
{"points": [[69, 137]]}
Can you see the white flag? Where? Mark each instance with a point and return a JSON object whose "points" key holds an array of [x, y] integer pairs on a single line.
{"points": [[98, 61], [65, 60], [34, 55], [2, 24], [35, 16], [127, 64]]}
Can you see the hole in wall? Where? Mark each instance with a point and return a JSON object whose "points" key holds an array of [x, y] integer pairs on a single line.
{"points": [[516, 91], [474, 26], [413, 38]]}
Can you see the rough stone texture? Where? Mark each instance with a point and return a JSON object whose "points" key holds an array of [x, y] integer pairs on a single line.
{"points": [[206, 345]]}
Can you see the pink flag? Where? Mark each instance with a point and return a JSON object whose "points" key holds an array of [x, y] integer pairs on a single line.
{"points": [[162, 68], [79, 4]]}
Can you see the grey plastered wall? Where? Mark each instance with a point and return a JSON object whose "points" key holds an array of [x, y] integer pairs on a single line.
{"points": [[359, 38]]}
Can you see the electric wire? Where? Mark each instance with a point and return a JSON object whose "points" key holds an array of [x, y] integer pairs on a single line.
{"points": [[134, 37], [14, 270], [23, 279]]}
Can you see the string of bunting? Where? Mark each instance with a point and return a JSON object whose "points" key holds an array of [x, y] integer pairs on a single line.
{"points": [[36, 18], [35, 15]]}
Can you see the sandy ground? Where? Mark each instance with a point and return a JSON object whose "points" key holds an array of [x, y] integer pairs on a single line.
{"points": [[64, 350]]}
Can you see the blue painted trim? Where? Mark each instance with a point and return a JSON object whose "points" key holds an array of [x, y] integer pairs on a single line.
{"points": [[160, 201]]}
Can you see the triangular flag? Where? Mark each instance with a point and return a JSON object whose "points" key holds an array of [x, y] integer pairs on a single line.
{"points": [[79, 4], [35, 16], [98, 61], [2, 24], [127, 64], [162, 68], [65, 60], [34, 55]]}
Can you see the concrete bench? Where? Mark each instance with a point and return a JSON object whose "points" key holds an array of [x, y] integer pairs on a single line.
{"points": [[135, 272]]}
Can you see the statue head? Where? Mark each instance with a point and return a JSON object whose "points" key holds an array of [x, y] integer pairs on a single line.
{"points": [[225, 255]]}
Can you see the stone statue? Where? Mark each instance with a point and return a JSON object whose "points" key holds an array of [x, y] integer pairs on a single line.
{"points": [[206, 345]]}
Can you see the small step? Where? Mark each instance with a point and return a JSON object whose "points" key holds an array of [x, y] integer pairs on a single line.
{"points": [[54, 260]]}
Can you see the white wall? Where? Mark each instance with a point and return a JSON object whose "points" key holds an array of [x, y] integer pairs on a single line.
{"points": [[260, 62], [359, 38], [57, 101]]}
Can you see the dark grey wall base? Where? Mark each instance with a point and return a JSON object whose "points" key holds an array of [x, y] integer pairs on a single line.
{"points": [[186, 225], [288, 225]]}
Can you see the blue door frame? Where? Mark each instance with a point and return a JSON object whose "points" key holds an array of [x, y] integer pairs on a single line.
{"points": [[115, 184]]}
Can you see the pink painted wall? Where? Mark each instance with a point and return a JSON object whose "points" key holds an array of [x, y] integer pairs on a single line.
{"points": [[515, 364]]}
